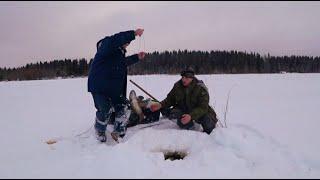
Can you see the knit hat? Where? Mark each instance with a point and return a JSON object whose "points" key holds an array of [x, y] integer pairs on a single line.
{"points": [[189, 73]]}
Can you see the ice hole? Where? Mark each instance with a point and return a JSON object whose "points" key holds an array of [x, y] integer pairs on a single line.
{"points": [[174, 155]]}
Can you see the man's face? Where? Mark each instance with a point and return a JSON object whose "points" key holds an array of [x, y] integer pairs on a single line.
{"points": [[186, 81]]}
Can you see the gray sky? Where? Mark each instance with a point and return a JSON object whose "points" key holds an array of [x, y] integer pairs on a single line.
{"points": [[44, 31]]}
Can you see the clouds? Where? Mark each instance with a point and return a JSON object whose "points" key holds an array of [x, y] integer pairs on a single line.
{"points": [[33, 31]]}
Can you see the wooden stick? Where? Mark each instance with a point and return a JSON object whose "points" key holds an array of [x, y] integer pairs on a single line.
{"points": [[144, 90]]}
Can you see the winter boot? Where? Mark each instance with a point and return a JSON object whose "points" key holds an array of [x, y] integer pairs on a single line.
{"points": [[121, 121], [101, 136]]}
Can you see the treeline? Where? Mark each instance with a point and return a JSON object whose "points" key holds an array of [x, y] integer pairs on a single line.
{"points": [[47, 70], [172, 62], [216, 62]]}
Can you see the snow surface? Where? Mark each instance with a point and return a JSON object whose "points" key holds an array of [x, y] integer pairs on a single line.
{"points": [[272, 132]]}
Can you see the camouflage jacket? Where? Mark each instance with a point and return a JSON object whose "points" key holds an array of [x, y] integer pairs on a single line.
{"points": [[193, 99]]}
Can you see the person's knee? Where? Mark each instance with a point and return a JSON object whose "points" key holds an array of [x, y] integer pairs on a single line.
{"points": [[207, 123], [208, 129]]}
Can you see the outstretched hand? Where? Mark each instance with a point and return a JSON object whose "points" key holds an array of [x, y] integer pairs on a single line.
{"points": [[141, 55], [155, 107]]}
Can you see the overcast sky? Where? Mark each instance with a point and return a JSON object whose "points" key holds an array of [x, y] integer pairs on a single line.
{"points": [[44, 31]]}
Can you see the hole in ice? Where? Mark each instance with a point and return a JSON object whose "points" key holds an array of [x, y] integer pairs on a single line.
{"points": [[174, 155]]}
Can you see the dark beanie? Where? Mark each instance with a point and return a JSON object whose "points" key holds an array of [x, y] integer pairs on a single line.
{"points": [[189, 73]]}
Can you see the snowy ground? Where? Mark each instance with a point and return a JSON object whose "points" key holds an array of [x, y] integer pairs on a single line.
{"points": [[272, 132]]}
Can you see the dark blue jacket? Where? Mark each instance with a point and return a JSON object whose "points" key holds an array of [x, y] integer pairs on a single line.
{"points": [[108, 71]]}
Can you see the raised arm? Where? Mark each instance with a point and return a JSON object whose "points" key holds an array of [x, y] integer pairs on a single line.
{"points": [[111, 43], [121, 39]]}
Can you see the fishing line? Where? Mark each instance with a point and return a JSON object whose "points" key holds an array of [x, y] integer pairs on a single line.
{"points": [[140, 47]]}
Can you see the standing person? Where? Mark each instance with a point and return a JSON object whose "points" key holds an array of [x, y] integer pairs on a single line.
{"points": [[188, 101], [107, 81]]}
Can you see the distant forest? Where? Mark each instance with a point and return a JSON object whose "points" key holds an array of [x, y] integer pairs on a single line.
{"points": [[172, 62]]}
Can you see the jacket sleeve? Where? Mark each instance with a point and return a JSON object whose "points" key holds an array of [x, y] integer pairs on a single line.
{"points": [[130, 60], [109, 44], [121, 39], [202, 106], [169, 101]]}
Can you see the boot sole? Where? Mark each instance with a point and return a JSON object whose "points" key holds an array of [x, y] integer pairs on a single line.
{"points": [[115, 137]]}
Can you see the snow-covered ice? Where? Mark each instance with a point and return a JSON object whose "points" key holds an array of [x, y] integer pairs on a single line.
{"points": [[272, 131]]}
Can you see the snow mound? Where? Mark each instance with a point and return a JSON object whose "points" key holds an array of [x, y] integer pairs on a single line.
{"points": [[234, 152]]}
